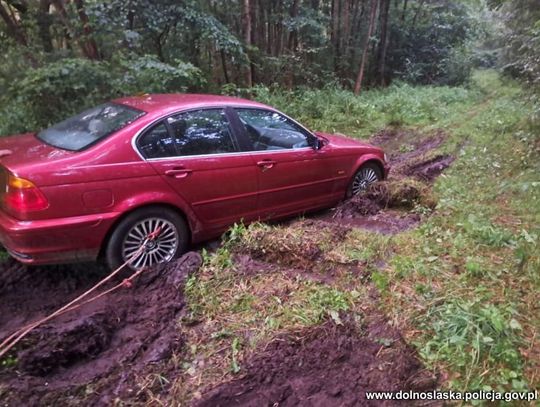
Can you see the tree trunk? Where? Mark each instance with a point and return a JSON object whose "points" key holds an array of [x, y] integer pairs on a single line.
{"points": [[413, 25], [44, 20], [89, 44], [246, 17], [224, 66], [13, 27], [360, 77], [293, 35], [404, 11], [383, 43], [338, 37]]}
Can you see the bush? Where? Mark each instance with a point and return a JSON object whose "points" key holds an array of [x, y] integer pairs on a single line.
{"points": [[147, 74], [54, 91]]}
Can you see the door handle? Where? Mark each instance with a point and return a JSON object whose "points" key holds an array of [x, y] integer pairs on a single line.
{"points": [[178, 172], [266, 164]]}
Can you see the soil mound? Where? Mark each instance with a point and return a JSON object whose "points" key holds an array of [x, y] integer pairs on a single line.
{"points": [[99, 349], [327, 365]]}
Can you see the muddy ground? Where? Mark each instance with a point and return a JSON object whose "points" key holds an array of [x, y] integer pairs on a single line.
{"points": [[106, 350], [328, 365], [95, 353]]}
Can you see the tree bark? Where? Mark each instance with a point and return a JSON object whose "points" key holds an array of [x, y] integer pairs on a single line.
{"points": [[246, 17], [44, 20], [293, 35], [224, 66], [360, 77], [404, 10], [413, 25], [13, 27], [89, 44], [383, 43]]}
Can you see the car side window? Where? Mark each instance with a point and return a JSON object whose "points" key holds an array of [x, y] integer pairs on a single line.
{"points": [[202, 132], [157, 142], [269, 130]]}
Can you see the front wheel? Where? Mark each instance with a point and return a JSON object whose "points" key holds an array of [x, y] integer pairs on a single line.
{"points": [[366, 175], [147, 237]]}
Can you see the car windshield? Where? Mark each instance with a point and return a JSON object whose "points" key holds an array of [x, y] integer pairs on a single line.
{"points": [[83, 130]]}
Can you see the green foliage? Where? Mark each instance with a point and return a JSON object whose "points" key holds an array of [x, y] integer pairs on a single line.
{"points": [[54, 91], [58, 90], [338, 110], [465, 333], [437, 47], [521, 44], [147, 74]]}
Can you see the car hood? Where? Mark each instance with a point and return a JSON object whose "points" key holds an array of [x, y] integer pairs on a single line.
{"points": [[343, 141], [25, 150]]}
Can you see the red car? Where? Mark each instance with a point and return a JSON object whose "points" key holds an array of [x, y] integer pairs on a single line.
{"points": [[140, 178]]}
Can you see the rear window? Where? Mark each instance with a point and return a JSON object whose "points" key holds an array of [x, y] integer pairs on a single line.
{"points": [[87, 128]]}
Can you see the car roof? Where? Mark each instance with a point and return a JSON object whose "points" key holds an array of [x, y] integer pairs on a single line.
{"points": [[167, 102]]}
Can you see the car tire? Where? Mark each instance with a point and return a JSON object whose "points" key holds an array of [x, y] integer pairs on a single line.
{"points": [[129, 235], [367, 174]]}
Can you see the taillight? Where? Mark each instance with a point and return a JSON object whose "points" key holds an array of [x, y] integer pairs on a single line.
{"points": [[22, 196]]}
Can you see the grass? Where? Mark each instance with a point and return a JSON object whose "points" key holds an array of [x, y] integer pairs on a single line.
{"points": [[339, 111], [462, 287], [469, 276]]}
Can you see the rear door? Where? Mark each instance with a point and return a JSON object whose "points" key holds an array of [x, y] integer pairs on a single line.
{"points": [[198, 155], [292, 175]]}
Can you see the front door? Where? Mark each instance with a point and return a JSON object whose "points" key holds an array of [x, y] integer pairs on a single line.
{"points": [[292, 175]]}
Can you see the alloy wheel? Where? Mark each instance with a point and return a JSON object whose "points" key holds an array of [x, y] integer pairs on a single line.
{"points": [[363, 178], [158, 239]]}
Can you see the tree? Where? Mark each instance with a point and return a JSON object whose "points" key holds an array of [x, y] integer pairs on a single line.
{"points": [[360, 77]]}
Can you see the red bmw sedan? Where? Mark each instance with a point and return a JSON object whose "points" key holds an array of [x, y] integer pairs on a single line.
{"points": [[140, 178]]}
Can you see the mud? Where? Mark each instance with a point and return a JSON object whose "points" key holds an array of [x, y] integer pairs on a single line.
{"points": [[95, 353], [328, 365], [410, 154], [386, 206], [328, 274], [386, 222]]}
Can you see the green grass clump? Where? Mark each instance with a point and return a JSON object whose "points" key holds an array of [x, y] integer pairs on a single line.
{"points": [[402, 193], [471, 335]]}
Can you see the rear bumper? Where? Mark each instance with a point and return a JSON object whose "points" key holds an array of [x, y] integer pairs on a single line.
{"points": [[62, 240]]}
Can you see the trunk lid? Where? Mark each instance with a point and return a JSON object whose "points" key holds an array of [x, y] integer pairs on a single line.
{"points": [[25, 150]]}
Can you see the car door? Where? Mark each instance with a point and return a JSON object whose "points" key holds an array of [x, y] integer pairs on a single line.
{"points": [[197, 153], [292, 175]]}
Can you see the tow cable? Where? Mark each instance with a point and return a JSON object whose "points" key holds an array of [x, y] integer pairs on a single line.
{"points": [[8, 343]]}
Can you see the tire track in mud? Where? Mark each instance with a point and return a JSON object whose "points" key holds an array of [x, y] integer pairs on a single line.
{"points": [[386, 208], [93, 355], [331, 364]]}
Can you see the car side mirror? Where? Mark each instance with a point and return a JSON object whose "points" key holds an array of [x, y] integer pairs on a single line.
{"points": [[317, 143]]}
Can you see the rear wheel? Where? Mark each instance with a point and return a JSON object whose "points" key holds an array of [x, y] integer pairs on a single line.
{"points": [[147, 237], [367, 174]]}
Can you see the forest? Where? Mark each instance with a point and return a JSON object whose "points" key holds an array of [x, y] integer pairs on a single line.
{"points": [[428, 281], [76, 53]]}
